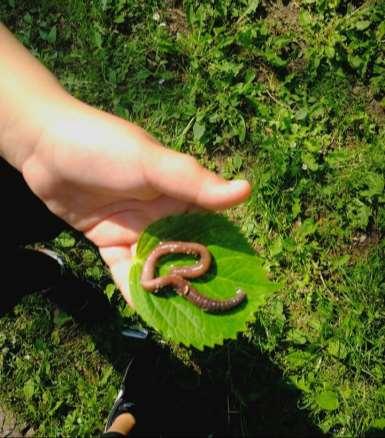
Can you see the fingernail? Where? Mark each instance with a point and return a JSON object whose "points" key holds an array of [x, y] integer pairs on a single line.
{"points": [[238, 184]]}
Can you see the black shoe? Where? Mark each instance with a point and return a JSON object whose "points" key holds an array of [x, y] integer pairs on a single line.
{"points": [[122, 403]]}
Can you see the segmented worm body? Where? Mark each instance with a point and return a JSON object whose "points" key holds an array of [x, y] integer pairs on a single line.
{"points": [[177, 276]]}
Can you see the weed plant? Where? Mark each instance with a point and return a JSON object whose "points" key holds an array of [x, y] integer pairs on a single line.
{"points": [[290, 95]]}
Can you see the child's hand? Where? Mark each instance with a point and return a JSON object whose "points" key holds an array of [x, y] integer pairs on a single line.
{"points": [[110, 179], [104, 176]]}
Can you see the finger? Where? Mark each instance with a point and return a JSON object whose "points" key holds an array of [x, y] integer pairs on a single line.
{"points": [[182, 177]]}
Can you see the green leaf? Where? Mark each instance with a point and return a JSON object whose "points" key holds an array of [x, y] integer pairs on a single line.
{"points": [[61, 318], [120, 18], [301, 114], [330, 52], [358, 214], [65, 240], [379, 423], [237, 161], [241, 131], [28, 18], [234, 265], [305, 18], [276, 247], [109, 290], [380, 33], [106, 375], [337, 349], [297, 337], [97, 37], [298, 359], [51, 37], [327, 400], [307, 228], [312, 145], [274, 59], [252, 6], [362, 25], [198, 130], [375, 185], [337, 158], [29, 389], [340, 261], [296, 207], [309, 162], [300, 383], [355, 61]]}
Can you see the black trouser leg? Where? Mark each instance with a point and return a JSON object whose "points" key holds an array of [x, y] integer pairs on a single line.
{"points": [[24, 219], [24, 271]]}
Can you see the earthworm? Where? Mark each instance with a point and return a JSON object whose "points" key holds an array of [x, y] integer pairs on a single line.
{"points": [[177, 276]]}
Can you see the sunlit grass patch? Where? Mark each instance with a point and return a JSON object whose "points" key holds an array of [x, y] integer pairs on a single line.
{"points": [[287, 94]]}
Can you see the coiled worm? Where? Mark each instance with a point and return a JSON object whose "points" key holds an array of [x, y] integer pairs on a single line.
{"points": [[177, 276]]}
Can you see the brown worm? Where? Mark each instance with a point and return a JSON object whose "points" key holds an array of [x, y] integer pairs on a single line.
{"points": [[177, 276]]}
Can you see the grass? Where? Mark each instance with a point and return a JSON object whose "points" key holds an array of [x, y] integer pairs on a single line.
{"points": [[288, 94]]}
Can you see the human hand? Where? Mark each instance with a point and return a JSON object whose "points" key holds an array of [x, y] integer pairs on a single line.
{"points": [[110, 179], [104, 176]]}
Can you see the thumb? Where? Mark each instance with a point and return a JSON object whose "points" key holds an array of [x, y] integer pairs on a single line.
{"points": [[181, 176]]}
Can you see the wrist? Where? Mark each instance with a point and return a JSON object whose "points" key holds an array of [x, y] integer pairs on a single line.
{"points": [[26, 121]]}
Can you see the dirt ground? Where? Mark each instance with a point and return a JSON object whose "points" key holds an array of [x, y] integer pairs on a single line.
{"points": [[11, 427]]}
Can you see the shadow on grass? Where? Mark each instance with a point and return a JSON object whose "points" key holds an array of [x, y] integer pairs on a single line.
{"points": [[375, 433], [230, 391]]}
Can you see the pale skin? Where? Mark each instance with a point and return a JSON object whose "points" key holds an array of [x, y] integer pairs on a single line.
{"points": [[104, 176]]}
